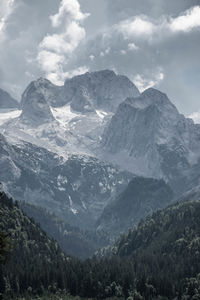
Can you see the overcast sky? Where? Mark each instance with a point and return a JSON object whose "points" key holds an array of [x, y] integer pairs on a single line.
{"points": [[153, 42]]}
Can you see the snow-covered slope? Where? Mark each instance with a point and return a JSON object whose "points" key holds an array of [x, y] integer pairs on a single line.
{"points": [[148, 135], [6, 101], [7, 114], [76, 189], [69, 119], [89, 116]]}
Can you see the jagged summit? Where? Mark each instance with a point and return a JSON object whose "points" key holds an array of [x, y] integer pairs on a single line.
{"points": [[6, 101], [100, 90], [148, 136], [35, 108], [52, 93], [151, 97]]}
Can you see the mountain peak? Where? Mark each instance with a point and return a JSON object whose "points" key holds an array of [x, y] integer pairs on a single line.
{"points": [[152, 92], [102, 90], [148, 136], [35, 108]]}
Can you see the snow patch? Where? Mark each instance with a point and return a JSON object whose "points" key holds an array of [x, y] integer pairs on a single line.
{"points": [[8, 114]]}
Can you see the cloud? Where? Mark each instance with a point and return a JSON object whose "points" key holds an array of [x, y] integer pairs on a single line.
{"points": [[187, 22], [132, 46], [142, 26], [119, 10], [150, 55], [196, 117], [138, 27], [144, 83], [6, 8], [75, 72], [56, 49], [142, 39], [70, 8]]}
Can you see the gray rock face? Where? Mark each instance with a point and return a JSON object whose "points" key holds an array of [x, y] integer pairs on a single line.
{"points": [[35, 108], [149, 133], [101, 90], [6, 101], [77, 190], [9, 172], [98, 90], [82, 102], [52, 93]]}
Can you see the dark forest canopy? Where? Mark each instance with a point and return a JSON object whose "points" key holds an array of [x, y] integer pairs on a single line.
{"points": [[158, 260]]}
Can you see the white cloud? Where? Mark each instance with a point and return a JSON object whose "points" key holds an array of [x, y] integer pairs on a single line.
{"points": [[56, 49], [123, 52], [132, 47], [143, 27], [92, 57], [6, 8], [70, 8], [196, 117], [75, 72], [190, 20], [137, 27], [144, 83]]}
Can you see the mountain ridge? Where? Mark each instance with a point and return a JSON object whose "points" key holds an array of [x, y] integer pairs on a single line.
{"points": [[6, 101]]}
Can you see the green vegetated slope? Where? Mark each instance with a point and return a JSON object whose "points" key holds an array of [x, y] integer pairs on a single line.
{"points": [[141, 197], [36, 261], [158, 260], [72, 240]]}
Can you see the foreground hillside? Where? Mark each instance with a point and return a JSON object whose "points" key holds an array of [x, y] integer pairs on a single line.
{"points": [[158, 260], [36, 262]]}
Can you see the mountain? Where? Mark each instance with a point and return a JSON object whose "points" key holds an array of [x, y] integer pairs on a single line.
{"points": [[52, 93], [72, 240], [76, 189], [148, 136], [6, 101], [70, 118], [145, 135], [35, 107], [141, 197], [103, 90]]}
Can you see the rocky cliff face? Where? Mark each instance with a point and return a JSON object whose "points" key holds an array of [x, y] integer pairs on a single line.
{"points": [[147, 135], [102, 90], [69, 118], [35, 107], [52, 93], [76, 189]]}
